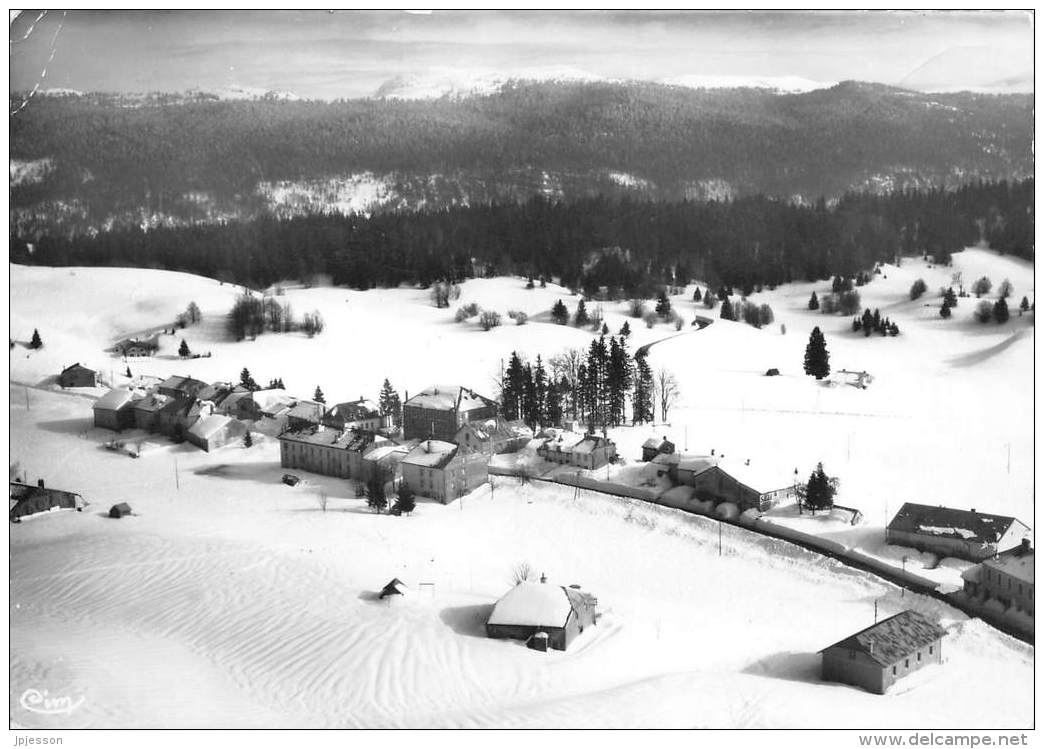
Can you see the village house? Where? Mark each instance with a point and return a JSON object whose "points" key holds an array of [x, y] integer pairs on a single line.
{"points": [[212, 431], [316, 449], [78, 376], [443, 471], [949, 532], [214, 393], [1007, 580], [441, 410], [383, 460], [172, 418], [656, 446], [362, 414], [27, 499], [493, 436], [304, 415], [878, 656], [115, 410], [133, 347], [241, 404], [543, 615], [588, 451], [181, 387], [146, 411], [358, 446]]}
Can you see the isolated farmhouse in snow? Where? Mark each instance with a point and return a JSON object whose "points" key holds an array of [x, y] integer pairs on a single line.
{"points": [[949, 532], [876, 657], [439, 411], [532, 609]]}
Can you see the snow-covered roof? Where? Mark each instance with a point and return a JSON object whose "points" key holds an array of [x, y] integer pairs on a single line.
{"points": [[654, 443], [1019, 566], [76, 366], [208, 426], [696, 463], [316, 435], [532, 604], [589, 444], [309, 410], [152, 402], [272, 399], [386, 453], [564, 442], [183, 384], [950, 522], [113, 400], [448, 398], [761, 476], [431, 454], [894, 638], [353, 410]]}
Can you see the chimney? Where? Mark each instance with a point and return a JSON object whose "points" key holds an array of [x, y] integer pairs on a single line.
{"points": [[543, 577], [973, 509], [712, 451], [1026, 547], [40, 483]]}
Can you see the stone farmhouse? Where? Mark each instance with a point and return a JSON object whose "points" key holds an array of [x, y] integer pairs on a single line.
{"points": [[439, 412]]}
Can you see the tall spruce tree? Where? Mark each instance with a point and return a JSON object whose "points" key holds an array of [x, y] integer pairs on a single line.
{"points": [[727, 311], [582, 317], [663, 305], [512, 388], [1000, 311], [642, 401], [559, 313], [246, 380], [35, 342], [819, 492], [817, 358], [813, 302], [389, 403]]}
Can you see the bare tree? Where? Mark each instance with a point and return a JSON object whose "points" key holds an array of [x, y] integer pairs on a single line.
{"points": [[322, 498], [522, 572], [667, 391]]}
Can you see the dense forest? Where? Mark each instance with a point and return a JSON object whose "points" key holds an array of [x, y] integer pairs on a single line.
{"points": [[632, 245], [112, 160]]}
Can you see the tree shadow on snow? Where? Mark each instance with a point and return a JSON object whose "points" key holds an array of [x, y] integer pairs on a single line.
{"points": [[789, 666], [469, 621]]}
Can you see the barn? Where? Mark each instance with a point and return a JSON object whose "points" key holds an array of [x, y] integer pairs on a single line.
{"points": [[951, 532], [532, 609]]}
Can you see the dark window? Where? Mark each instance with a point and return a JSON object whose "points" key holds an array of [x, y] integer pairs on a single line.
{"points": [[918, 657], [931, 649], [893, 670], [908, 663]]}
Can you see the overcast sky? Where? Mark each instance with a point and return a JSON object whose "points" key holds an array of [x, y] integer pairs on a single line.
{"points": [[320, 54]]}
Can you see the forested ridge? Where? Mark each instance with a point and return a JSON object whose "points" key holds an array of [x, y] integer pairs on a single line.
{"points": [[632, 245], [112, 160]]}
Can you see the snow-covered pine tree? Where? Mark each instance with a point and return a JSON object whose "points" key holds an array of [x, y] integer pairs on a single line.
{"points": [[817, 358]]}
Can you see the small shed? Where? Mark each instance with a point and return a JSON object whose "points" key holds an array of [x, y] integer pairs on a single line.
{"points": [[119, 510], [394, 588]]}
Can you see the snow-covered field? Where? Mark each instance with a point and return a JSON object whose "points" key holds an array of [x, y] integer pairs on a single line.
{"points": [[231, 599]]}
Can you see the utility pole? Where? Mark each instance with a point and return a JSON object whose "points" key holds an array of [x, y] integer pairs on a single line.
{"points": [[27, 399], [719, 538], [177, 481], [875, 611]]}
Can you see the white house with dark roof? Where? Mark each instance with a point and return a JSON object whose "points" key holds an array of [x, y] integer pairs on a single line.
{"points": [[950, 532]]}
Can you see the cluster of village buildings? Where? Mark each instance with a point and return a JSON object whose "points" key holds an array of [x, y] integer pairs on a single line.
{"points": [[443, 447]]}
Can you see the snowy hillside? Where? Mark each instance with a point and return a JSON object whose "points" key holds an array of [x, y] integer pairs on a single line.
{"points": [[233, 583]]}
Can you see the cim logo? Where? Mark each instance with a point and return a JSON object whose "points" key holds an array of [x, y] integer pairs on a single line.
{"points": [[42, 703]]}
